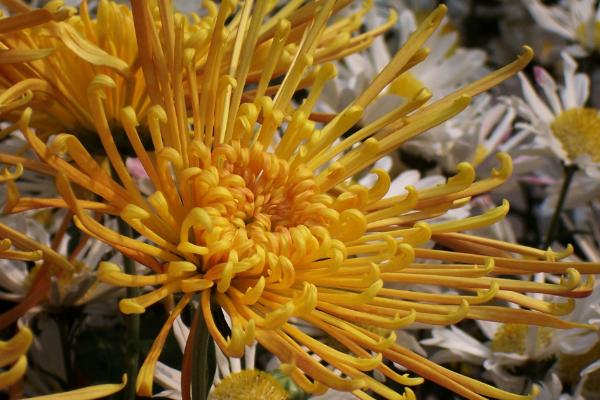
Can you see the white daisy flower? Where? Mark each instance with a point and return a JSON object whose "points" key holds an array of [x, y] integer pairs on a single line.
{"points": [[575, 20], [357, 70], [31, 182], [512, 346], [561, 125], [508, 346], [473, 137], [516, 27], [445, 68], [75, 286]]}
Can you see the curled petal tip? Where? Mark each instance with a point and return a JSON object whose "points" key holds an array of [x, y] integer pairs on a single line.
{"points": [[157, 112], [128, 306], [101, 81], [128, 114], [106, 268], [26, 116], [528, 52]]}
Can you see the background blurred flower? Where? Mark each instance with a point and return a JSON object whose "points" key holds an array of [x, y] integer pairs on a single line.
{"points": [[562, 125], [575, 20]]}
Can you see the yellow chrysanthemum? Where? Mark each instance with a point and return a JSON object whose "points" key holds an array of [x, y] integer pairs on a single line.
{"points": [[86, 46], [13, 361], [253, 208], [8, 26]]}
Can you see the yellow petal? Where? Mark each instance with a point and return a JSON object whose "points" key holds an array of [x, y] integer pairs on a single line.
{"points": [[12, 349], [88, 393], [12, 375], [20, 55]]}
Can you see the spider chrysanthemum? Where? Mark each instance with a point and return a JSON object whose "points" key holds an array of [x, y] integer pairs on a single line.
{"points": [[253, 208], [87, 44]]}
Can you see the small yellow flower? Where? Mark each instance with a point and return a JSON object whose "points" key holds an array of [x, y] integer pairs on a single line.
{"points": [[577, 130], [254, 210], [249, 384]]}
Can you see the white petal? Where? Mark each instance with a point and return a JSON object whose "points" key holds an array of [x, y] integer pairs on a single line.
{"points": [[568, 92], [169, 394], [398, 185], [534, 100], [581, 84], [457, 341], [579, 344], [407, 340], [249, 356], [548, 85], [488, 328], [407, 23], [546, 20], [181, 332], [167, 377]]}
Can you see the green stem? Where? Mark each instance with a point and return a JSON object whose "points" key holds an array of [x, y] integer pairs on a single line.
{"points": [[569, 172], [132, 325], [203, 366]]}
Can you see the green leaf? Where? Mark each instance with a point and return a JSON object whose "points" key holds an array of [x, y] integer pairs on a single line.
{"points": [[203, 360]]}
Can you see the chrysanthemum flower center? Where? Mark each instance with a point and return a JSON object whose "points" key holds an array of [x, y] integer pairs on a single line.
{"points": [[570, 367], [267, 196], [255, 200], [578, 130], [248, 385], [512, 338]]}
